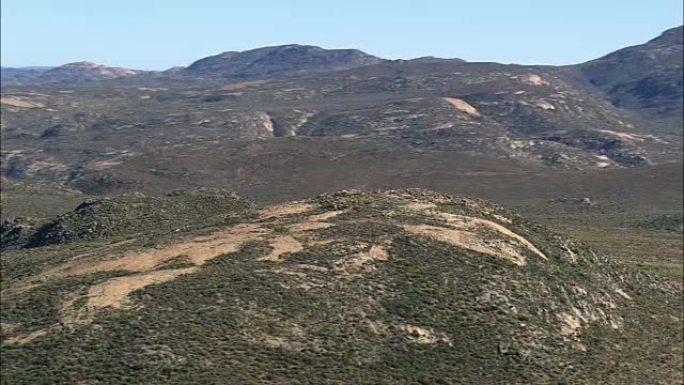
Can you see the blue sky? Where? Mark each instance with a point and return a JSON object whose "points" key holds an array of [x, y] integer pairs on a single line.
{"points": [[154, 34]]}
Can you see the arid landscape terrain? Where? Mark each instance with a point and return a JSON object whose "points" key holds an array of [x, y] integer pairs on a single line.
{"points": [[300, 215]]}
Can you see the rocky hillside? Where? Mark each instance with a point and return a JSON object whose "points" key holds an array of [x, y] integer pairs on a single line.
{"points": [[402, 286], [646, 78], [121, 216]]}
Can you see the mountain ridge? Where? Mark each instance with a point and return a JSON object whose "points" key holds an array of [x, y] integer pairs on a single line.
{"points": [[293, 59], [646, 77], [530, 115]]}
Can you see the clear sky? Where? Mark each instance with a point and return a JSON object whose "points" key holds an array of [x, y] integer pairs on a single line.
{"points": [[158, 34]]}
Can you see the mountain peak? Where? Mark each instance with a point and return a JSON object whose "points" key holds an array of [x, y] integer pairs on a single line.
{"points": [[671, 36], [646, 76], [87, 67], [280, 60], [81, 64]]}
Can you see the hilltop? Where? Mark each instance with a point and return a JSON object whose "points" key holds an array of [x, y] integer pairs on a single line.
{"points": [[279, 60], [385, 287]]}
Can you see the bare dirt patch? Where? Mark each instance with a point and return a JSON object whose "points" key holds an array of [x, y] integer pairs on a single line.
{"points": [[114, 292], [474, 223], [21, 103], [308, 226], [572, 323], [199, 250], [544, 105], [535, 80], [622, 294], [223, 242], [462, 105], [624, 135], [500, 248], [376, 328], [100, 165], [25, 338], [286, 209], [282, 245], [315, 222], [419, 206], [468, 240], [70, 314], [324, 216], [423, 336]]}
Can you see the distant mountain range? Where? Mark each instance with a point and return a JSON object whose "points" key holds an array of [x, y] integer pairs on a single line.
{"points": [[260, 62], [99, 128], [78, 72], [646, 77]]}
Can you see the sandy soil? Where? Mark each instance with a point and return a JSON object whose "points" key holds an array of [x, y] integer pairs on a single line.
{"points": [[199, 250], [462, 105], [422, 336], [286, 209], [474, 223], [623, 135], [114, 292], [25, 338], [535, 80], [282, 245], [22, 103]]}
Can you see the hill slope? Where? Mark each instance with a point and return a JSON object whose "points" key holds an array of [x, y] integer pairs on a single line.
{"points": [[647, 78], [403, 286]]}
